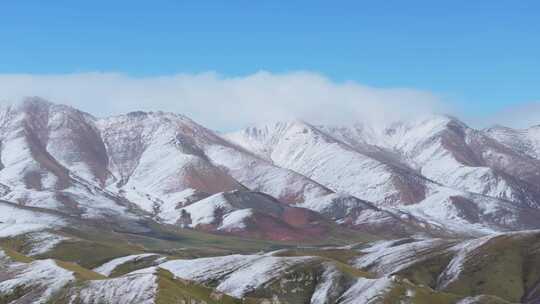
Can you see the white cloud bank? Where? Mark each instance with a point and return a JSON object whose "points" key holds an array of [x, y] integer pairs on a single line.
{"points": [[226, 103]]}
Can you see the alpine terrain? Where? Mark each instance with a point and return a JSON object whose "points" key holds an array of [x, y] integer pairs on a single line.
{"points": [[152, 207]]}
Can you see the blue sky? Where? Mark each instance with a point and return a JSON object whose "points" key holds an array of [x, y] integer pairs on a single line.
{"points": [[479, 55]]}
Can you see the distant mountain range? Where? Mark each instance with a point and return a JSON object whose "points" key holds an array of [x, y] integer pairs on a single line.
{"points": [[405, 211]]}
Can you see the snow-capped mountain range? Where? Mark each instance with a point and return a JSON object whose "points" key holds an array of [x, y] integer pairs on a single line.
{"points": [[151, 207], [281, 181]]}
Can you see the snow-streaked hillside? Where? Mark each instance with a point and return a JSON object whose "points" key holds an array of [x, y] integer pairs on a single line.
{"points": [[433, 175], [526, 141], [303, 148], [491, 269], [251, 214], [435, 168]]}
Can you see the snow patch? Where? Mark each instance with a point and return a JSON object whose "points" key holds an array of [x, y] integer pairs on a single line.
{"points": [[109, 267]]}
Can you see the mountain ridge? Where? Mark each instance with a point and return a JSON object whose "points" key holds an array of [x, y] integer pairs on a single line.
{"points": [[354, 175]]}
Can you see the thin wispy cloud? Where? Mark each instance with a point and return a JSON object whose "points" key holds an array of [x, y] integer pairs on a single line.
{"points": [[519, 116]]}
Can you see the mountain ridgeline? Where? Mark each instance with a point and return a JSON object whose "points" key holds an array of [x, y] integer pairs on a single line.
{"points": [[278, 181]]}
